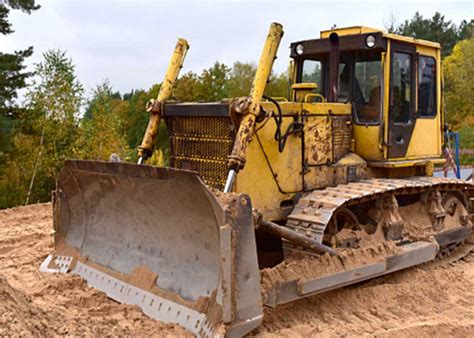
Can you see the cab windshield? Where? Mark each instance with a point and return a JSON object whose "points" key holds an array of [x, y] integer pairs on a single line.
{"points": [[366, 94], [359, 82]]}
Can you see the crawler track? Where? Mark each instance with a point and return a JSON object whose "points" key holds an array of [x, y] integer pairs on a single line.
{"points": [[315, 210]]}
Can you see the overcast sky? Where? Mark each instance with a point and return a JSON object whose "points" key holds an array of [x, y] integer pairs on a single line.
{"points": [[130, 42]]}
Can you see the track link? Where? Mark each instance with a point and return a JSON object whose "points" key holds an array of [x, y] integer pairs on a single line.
{"points": [[314, 210]]}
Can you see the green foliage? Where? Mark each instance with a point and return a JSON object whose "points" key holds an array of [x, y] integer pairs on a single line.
{"points": [[241, 78], [186, 88], [44, 132], [219, 82], [278, 86], [6, 128], [214, 83], [466, 140], [12, 76], [459, 91], [436, 29], [102, 133]]}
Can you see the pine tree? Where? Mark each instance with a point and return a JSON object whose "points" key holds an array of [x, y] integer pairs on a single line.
{"points": [[12, 75]]}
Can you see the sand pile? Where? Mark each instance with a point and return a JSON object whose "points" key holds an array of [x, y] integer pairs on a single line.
{"points": [[433, 300], [34, 303], [305, 267]]}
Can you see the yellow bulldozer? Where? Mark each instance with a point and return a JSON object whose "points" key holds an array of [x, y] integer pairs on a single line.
{"points": [[269, 200]]}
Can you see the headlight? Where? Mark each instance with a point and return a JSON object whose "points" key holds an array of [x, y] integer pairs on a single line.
{"points": [[299, 49], [370, 41]]}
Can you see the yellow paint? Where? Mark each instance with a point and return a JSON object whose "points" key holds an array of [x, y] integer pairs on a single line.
{"points": [[330, 108], [427, 135], [406, 163], [323, 176], [367, 142], [386, 98], [411, 40], [301, 90], [429, 168], [166, 88], [354, 30], [351, 159], [309, 108], [425, 140], [271, 177], [257, 180], [357, 30], [439, 97], [304, 86], [247, 125], [318, 141]]}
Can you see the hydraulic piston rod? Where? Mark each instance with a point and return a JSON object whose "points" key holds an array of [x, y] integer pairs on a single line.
{"points": [[249, 108], [154, 107], [297, 238]]}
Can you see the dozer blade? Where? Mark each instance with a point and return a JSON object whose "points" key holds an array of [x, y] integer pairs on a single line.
{"points": [[160, 239]]}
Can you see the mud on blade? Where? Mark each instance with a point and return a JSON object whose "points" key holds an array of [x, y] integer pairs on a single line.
{"points": [[160, 239]]}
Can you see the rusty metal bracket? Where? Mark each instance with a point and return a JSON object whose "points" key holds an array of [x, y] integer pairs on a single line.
{"points": [[154, 107]]}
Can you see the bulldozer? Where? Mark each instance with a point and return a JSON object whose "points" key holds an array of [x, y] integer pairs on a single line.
{"points": [[268, 200]]}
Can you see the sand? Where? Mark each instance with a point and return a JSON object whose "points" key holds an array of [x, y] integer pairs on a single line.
{"points": [[432, 300], [39, 304]]}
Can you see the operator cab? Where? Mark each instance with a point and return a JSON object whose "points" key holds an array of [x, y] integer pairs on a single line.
{"points": [[392, 83]]}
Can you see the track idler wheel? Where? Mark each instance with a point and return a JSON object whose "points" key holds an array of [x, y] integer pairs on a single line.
{"points": [[343, 218]]}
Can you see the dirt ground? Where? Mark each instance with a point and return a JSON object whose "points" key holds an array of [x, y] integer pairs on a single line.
{"points": [[432, 300]]}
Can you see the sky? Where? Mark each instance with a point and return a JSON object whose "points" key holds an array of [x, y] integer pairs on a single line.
{"points": [[129, 42]]}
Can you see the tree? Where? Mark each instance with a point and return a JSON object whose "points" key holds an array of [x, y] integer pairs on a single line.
{"points": [[243, 74], [214, 83], [436, 29], [466, 30], [12, 76], [459, 89], [187, 88], [390, 23], [45, 131], [101, 133], [241, 78], [137, 119], [278, 85]]}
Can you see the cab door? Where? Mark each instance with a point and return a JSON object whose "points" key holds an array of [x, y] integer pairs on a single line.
{"points": [[427, 136], [401, 115]]}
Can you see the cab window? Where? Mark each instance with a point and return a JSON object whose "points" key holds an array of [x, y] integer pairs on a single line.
{"points": [[400, 88], [426, 86], [312, 73], [366, 91], [345, 78]]}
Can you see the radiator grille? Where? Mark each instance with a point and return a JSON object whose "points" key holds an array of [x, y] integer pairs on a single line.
{"points": [[201, 144], [342, 133]]}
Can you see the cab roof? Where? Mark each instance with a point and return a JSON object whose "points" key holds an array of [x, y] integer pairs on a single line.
{"points": [[357, 30]]}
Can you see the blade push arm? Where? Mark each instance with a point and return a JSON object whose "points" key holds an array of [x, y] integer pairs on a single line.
{"points": [[249, 107], [154, 106]]}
